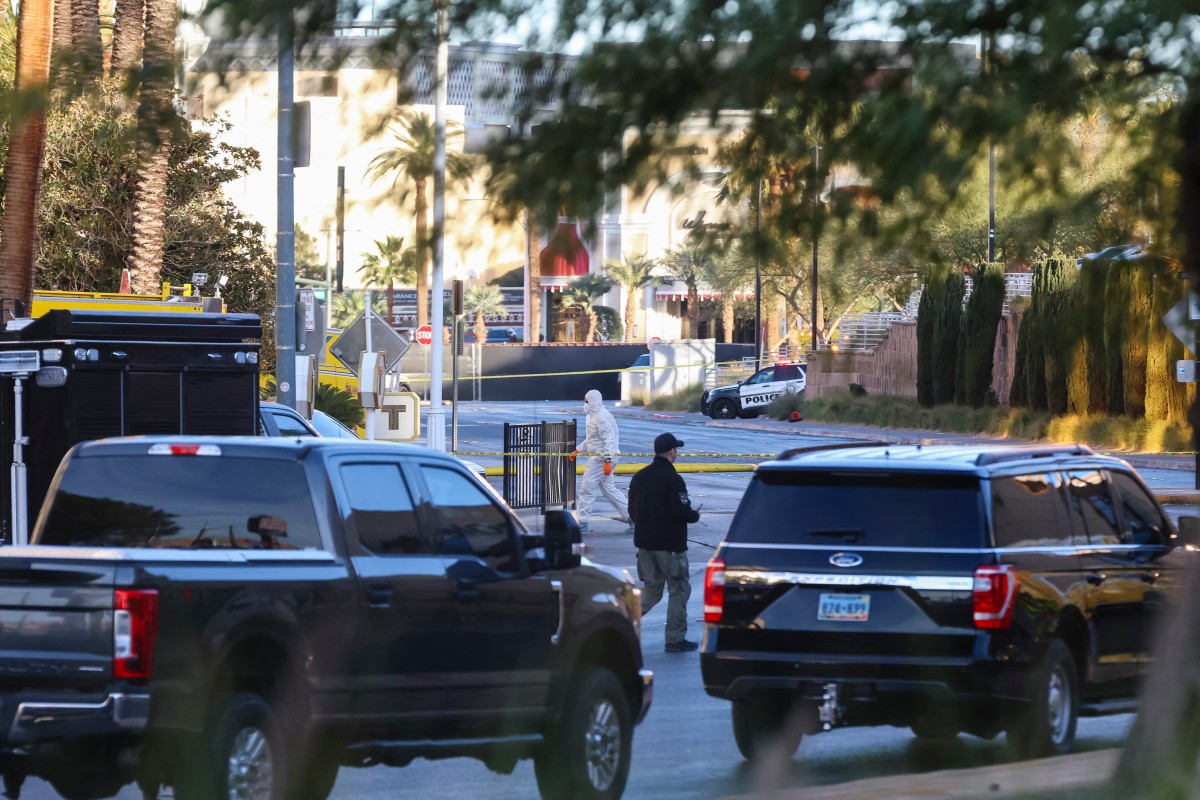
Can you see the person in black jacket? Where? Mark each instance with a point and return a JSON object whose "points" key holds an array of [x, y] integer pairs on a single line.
{"points": [[660, 510]]}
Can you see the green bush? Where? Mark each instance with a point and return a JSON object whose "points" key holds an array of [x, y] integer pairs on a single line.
{"points": [[978, 344], [890, 411], [947, 325], [339, 404], [781, 407], [686, 399], [925, 345]]}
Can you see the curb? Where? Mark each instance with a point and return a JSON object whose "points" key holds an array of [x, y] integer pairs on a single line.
{"points": [[1042, 778]]}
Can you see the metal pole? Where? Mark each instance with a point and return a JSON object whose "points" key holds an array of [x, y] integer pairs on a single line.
{"points": [[285, 226], [457, 345], [435, 421], [341, 226], [758, 337], [369, 425], [816, 202], [991, 245], [20, 495]]}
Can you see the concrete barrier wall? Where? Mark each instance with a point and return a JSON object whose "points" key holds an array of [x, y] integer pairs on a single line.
{"points": [[891, 368]]}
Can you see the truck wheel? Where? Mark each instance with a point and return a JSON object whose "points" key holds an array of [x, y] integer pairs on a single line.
{"points": [[1047, 726], [241, 755], [314, 778], [403, 388], [586, 754], [723, 409], [763, 726]]}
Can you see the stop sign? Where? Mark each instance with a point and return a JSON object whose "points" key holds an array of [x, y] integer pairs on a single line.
{"points": [[424, 335]]}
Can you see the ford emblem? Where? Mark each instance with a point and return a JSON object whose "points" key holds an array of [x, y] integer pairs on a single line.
{"points": [[845, 559]]}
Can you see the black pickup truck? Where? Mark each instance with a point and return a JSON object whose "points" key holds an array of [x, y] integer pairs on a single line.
{"points": [[240, 617]]}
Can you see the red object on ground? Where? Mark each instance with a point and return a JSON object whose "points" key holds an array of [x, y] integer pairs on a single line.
{"points": [[424, 335], [126, 283], [794, 417]]}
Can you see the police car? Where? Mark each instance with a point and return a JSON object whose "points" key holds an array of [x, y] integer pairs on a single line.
{"points": [[749, 398]]}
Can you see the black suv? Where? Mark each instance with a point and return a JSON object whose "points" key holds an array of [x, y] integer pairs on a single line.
{"points": [[945, 589]]}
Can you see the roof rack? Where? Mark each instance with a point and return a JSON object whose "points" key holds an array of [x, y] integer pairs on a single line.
{"points": [[1041, 451], [799, 451]]}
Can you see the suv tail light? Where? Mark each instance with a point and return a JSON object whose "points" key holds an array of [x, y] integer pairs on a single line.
{"points": [[994, 596], [714, 590], [135, 629]]}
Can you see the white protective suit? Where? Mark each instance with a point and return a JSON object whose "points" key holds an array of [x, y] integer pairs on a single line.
{"points": [[601, 437]]}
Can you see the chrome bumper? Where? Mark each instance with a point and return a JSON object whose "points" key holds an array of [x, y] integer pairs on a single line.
{"points": [[38, 720], [647, 677]]}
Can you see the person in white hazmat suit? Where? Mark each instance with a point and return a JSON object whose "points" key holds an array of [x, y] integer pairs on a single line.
{"points": [[600, 441]]}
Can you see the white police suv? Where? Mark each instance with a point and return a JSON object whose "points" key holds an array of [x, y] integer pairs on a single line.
{"points": [[749, 398]]}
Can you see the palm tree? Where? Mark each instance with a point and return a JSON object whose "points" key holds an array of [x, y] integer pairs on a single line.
{"points": [[391, 263], [412, 159], [483, 301], [348, 305], [631, 274], [155, 117], [728, 273], [23, 170], [128, 24], [534, 240], [580, 293], [688, 265]]}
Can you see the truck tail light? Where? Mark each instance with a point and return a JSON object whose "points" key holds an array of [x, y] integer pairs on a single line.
{"points": [[135, 629], [714, 590], [995, 595]]}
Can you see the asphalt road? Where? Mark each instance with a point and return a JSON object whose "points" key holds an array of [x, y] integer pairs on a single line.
{"points": [[685, 747]]}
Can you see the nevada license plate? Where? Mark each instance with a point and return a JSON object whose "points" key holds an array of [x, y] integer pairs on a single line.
{"points": [[844, 607]]}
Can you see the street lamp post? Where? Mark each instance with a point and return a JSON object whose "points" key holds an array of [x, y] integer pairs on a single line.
{"points": [[435, 420], [758, 337], [816, 230]]}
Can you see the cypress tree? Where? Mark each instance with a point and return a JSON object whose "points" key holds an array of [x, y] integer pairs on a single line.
{"points": [[1057, 342], [925, 344], [1018, 395], [1137, 324], [1160, 370], [1094, 317], [1115, 327], [947, 324], [1032, 332], [1078, 390], [978, 343]]}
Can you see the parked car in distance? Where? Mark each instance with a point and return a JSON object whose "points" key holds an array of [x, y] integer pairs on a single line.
{"points": [[748, 398], [276, 419], [494, 336], [330, 427], [244, 616], [944, 589]]}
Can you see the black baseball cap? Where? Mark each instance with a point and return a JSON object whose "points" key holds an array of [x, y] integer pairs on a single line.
{"points": [[664, 442]]}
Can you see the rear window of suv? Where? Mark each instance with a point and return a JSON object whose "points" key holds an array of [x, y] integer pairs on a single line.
{"points": [[182, 502], [867, 509]]}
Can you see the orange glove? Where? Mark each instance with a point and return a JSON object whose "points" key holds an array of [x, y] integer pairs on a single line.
{"points": [[608, 466], [571, 457]]}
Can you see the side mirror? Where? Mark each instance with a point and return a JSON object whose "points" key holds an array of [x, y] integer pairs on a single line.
{"points": [[1189, 531], [564, 540], [740, 383]]}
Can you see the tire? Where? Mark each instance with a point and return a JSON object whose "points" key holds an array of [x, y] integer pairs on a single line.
{"points": [[586, 754], [763, 726], [1047, 726], [314, 779], [403, 388], [241, 754], [723, 409]]}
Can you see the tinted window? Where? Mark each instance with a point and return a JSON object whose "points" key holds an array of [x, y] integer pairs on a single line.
{"points": [[1028, 511], [381, 508], [469, 523], [871, 509], [182, 501], [788, 373], [331, 428], [289, 425], [1141, 520], [1092, 502], [763, 376]]}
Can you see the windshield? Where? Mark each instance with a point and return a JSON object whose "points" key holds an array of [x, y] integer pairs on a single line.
{"points": [[872, 510], [183, 502], [330, 428]]}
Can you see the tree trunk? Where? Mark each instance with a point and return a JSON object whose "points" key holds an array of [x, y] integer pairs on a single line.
{"points": [[593, 325], [422, 230], [23, 172], [480, 327], [155, 119], [727, 321], [61, 39], [693, 312], [128, 25], [85, 39], [535, 276], [771, 323], [630, 311]]}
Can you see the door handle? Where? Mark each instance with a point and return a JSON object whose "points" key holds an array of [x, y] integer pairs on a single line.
{"points": [[1097, 578], [380, 596], [466, 593]]}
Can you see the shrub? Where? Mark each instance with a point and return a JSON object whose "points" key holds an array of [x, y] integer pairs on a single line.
{"points": [[858, 390], [339, 404], [980, 321], [686, 399], [925, 346], [781, 407]]}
